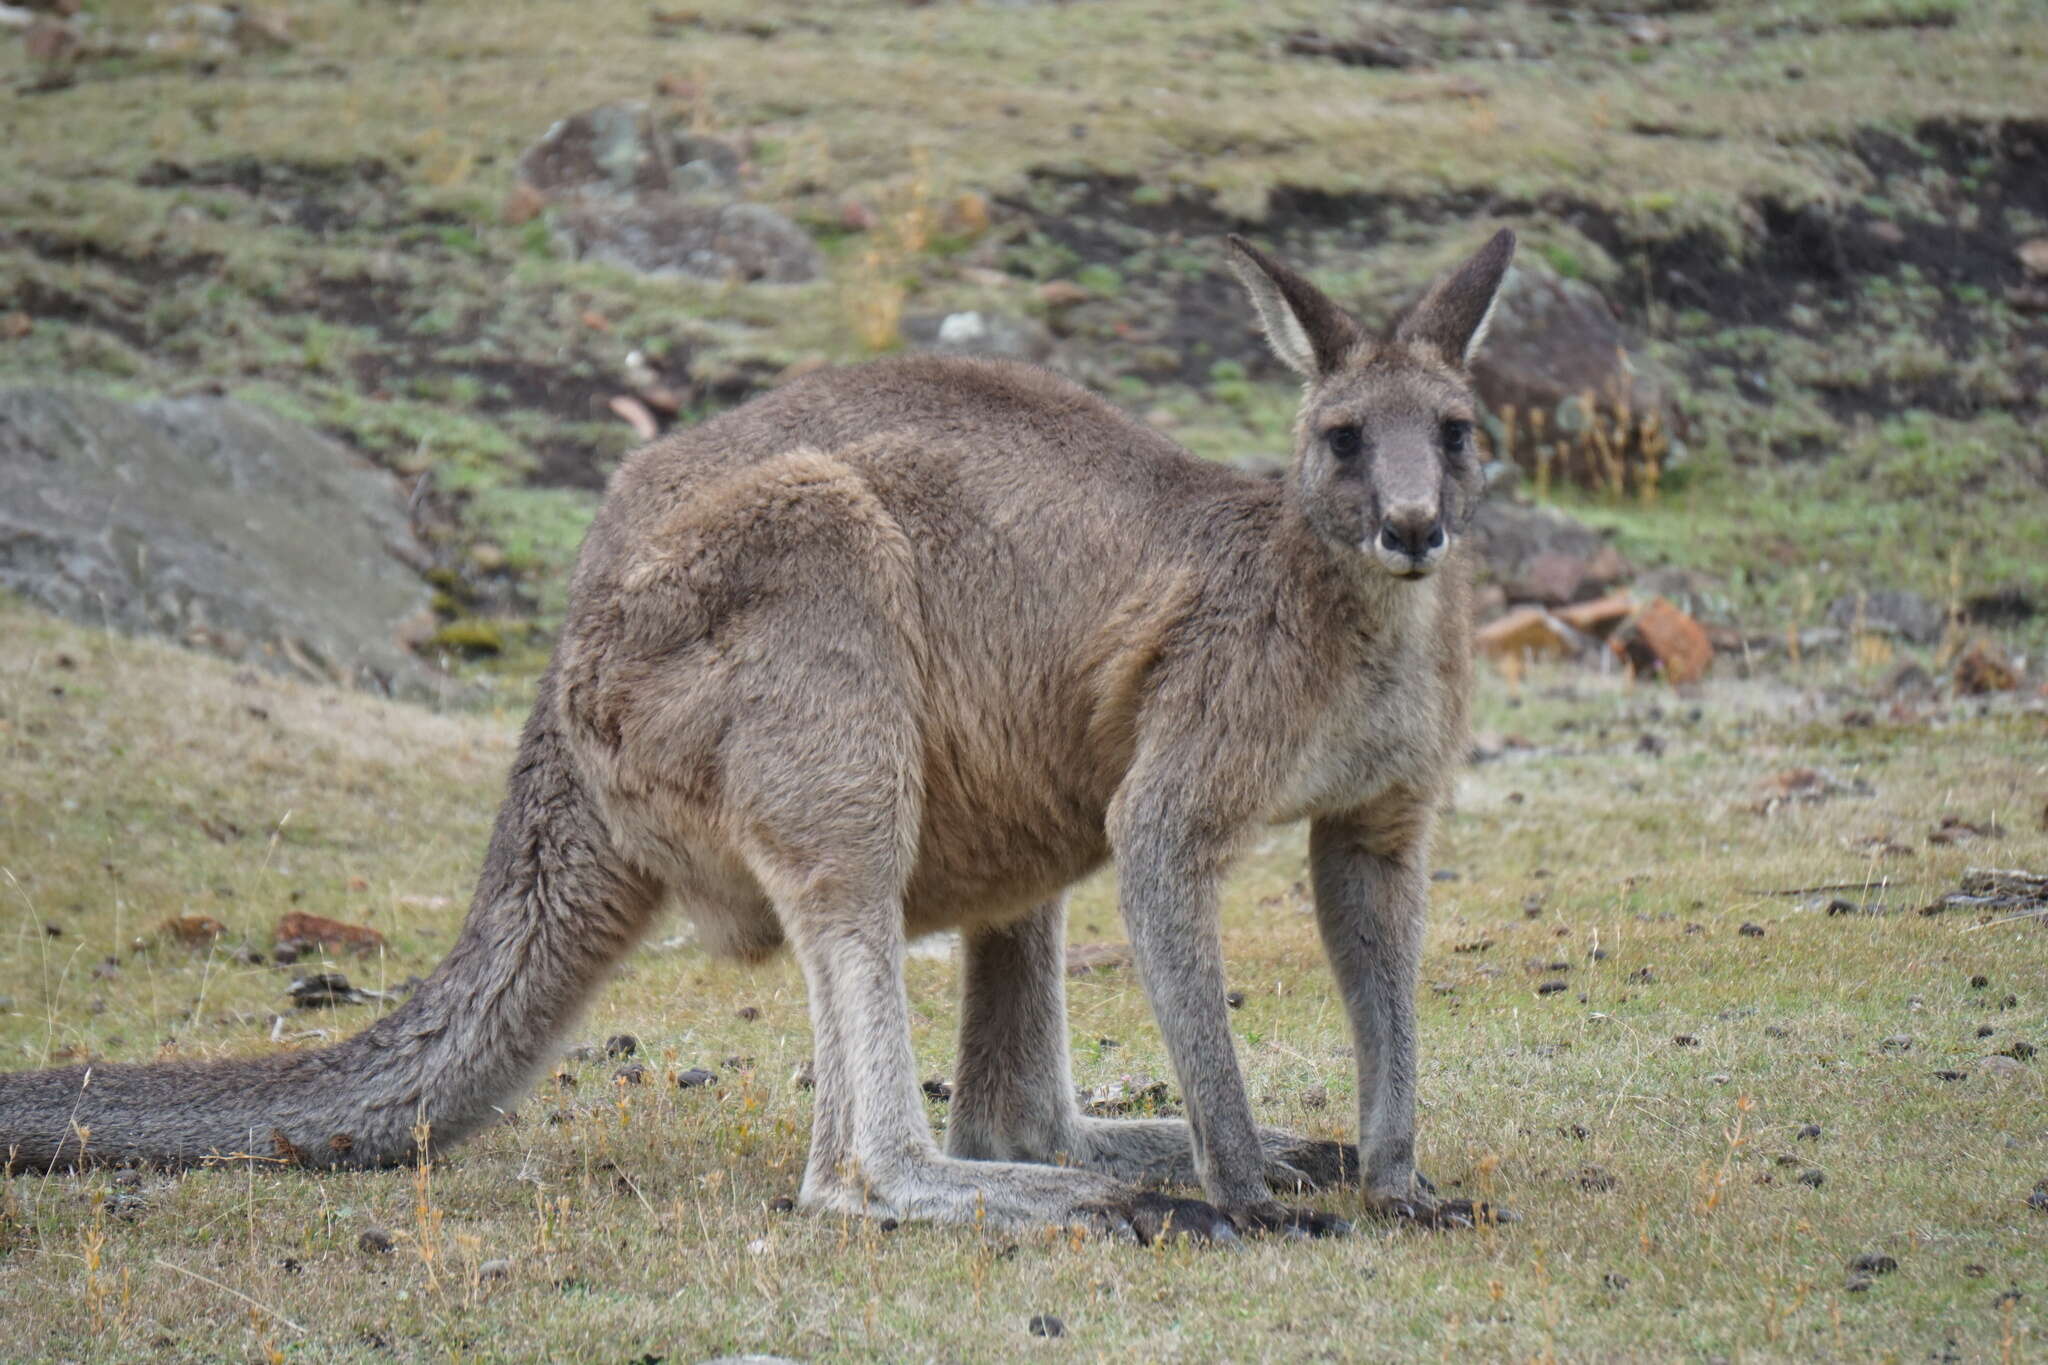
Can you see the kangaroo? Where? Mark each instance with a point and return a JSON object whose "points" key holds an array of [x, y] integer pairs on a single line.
{"points": [[918, 644]]}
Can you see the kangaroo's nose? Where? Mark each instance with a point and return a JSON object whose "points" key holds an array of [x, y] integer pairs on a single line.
{"points": [[1414, 530]]}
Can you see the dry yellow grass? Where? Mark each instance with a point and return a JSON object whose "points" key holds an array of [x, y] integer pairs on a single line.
{"points": [[637, 1219]]}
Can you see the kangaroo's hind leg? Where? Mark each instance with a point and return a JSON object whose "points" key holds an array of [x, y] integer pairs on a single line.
{"points": [[780, 714], [1013, 1090]]}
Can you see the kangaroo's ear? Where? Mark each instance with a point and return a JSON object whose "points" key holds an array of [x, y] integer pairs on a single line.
{"points": [[1452, 317], [1306, 330]]}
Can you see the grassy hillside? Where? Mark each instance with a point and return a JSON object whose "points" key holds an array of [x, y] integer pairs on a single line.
{"points": [[1808, 212]]}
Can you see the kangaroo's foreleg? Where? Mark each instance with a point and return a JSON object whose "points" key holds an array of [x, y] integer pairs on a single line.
{"points": [[1013, 1091], [1372, 892], [1168, 873]]}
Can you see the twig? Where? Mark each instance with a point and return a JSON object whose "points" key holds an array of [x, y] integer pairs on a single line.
{"points": [[230, 1289], [1992, 924]]}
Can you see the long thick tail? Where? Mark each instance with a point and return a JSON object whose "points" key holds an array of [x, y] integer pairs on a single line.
{"points": [[555, 907]]}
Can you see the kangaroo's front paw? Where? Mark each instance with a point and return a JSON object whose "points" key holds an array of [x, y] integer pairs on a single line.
{"points": [[1150, 1217], [1293, 1224]]}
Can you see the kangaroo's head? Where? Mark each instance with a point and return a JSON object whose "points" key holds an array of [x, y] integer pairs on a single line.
{"points": [[1384, 460]]}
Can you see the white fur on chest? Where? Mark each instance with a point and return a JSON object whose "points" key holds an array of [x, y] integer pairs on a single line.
{"points": [[1382, 725]]}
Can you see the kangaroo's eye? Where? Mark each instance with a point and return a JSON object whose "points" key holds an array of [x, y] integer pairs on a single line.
{"points": [[1457, 437], [1345, 442]]}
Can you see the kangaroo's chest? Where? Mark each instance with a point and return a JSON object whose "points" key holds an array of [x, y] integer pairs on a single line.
{"points": [[1384, 724]]}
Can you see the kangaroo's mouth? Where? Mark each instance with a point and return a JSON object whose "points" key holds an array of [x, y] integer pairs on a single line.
{"points": [[1402, 564]]}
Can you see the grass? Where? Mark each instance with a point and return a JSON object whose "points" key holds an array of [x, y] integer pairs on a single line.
{"points": [[329, 240], [637, 1220]]}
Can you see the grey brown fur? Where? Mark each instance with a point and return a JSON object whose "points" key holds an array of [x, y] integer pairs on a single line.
{"points": [[917, 645]]}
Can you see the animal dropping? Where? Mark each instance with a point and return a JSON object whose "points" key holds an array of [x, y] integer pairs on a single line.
{"points": [[915, 646]]}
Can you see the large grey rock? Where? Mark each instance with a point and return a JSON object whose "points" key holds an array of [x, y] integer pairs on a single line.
{"points": [[978, 333], [1539, 554], [627, 187], [213, 523], [1553, 343], [1889, 611]]}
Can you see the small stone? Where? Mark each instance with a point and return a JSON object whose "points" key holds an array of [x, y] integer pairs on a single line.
{"points": [[696, 1076], [1751, 931], [621, 1045], [1813, 1178], [1046, 1325], [497, 1269], [376, 1241]]}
